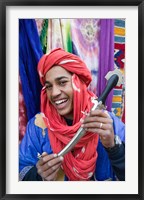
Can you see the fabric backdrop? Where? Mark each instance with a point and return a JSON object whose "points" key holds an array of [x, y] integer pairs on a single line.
{"points": [[99, 42]]}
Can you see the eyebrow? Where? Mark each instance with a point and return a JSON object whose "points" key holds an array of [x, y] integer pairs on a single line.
{"points": [[57, 79]]}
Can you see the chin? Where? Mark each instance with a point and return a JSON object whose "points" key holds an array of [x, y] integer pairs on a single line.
{"points": [[68, 115]]}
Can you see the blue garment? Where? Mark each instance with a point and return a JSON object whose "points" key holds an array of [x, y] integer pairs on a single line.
{"points": [[30, 51], [36, 141], [104, 169]]}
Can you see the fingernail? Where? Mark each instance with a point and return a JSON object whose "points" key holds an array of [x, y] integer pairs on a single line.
{"points": [[82, 125], [61, 158], [81, 120], [55, 155]]}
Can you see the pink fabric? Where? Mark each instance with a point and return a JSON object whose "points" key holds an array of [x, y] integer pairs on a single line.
{"points": [[80, 163]]}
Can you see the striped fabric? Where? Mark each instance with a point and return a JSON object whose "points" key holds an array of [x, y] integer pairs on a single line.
{"points": [[119, 62]]}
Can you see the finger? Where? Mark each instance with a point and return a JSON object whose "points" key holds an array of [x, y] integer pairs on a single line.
{"points": [[52, 176], [102, 133], [50, 164], [97, 125], [97, 119], [45, 157], [44, 154], [55, 161], [51, 170], [39, 163], [102, 113], [95, 130]]}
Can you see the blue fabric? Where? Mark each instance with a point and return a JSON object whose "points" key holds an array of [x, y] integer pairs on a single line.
{"points": [[103, 166], [30, 51], [104, 170], [35, 142]]}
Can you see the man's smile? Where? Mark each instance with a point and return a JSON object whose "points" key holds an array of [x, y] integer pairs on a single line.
{"points": [[61, 104]]}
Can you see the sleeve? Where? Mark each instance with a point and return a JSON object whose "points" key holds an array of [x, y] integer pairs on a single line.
{"points": [[119, 127], [32, 175], [34, 142], [111, 166], [117, 156], [117, 159]]}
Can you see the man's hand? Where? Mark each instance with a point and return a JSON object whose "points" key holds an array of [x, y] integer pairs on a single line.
{"points": [[98, 121], [48, 166]]}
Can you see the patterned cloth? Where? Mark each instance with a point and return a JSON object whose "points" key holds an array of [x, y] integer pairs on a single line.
{"points": [[85, 41], [118, 105], [79, 36], [59, 35], [22, 113]]}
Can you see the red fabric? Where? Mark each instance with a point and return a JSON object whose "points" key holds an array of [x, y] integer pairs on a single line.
{"points": [[56, 57], [22, 114], [81, 162], [123, 116]]}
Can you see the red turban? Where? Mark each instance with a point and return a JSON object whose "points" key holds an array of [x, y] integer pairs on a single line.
{"points": [[81, 162], [66, 60]]}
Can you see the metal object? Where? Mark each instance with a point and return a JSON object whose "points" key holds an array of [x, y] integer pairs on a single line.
{"points": [[114, 78], [39, 155]]}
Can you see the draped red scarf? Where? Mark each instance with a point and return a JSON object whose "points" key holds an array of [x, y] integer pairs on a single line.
{"points": [[80, 163]]}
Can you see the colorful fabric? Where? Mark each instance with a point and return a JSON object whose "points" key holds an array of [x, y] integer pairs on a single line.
{"points": [[85, 42], [79, 164], [79, 36], [43, 35], [36, 141], [118, 101], [39, 24], [66, 33], [92, 40], [54, 39], [59, 35], [22, 113]]}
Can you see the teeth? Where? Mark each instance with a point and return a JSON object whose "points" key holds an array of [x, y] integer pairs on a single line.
{"points": [[60, 101]]}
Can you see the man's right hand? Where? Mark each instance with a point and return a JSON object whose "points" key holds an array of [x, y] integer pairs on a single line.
{"points": [[48, 166]]}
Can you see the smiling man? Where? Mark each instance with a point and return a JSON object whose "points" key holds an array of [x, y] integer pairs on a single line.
{"points": [[65, 107], [59, 90]]}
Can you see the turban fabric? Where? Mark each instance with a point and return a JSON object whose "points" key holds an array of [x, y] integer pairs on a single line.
{"points": [[80, 163]]}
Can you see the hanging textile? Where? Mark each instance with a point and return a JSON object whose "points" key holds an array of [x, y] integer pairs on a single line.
{"points": [[59, 35], [118, 102], [106, 56], [85, 41], [22, 113], [42, 27], [30, 52], [91, 39]]}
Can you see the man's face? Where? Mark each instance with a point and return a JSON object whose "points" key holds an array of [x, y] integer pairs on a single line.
{"points": [[58, 82]]}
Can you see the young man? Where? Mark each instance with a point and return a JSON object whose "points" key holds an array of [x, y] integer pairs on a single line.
{"points": [[65, 107]]}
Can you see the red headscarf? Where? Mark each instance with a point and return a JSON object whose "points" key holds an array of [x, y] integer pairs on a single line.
{"points": [[81, 162]]}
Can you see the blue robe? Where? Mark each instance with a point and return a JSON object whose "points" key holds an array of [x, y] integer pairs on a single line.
{"points": [[36, 141]]}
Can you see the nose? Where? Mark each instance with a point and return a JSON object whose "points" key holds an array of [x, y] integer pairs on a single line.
{"points": [[55, 91]]}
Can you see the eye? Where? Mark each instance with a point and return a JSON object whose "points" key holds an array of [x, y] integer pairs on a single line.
{"points": [[48, 87], [62, 83]]}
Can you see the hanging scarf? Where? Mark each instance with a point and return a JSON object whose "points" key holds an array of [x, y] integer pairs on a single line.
{"points": [[80, 163]]}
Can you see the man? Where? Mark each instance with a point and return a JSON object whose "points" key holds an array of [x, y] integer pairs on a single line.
{"points": [[65, 107]]}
